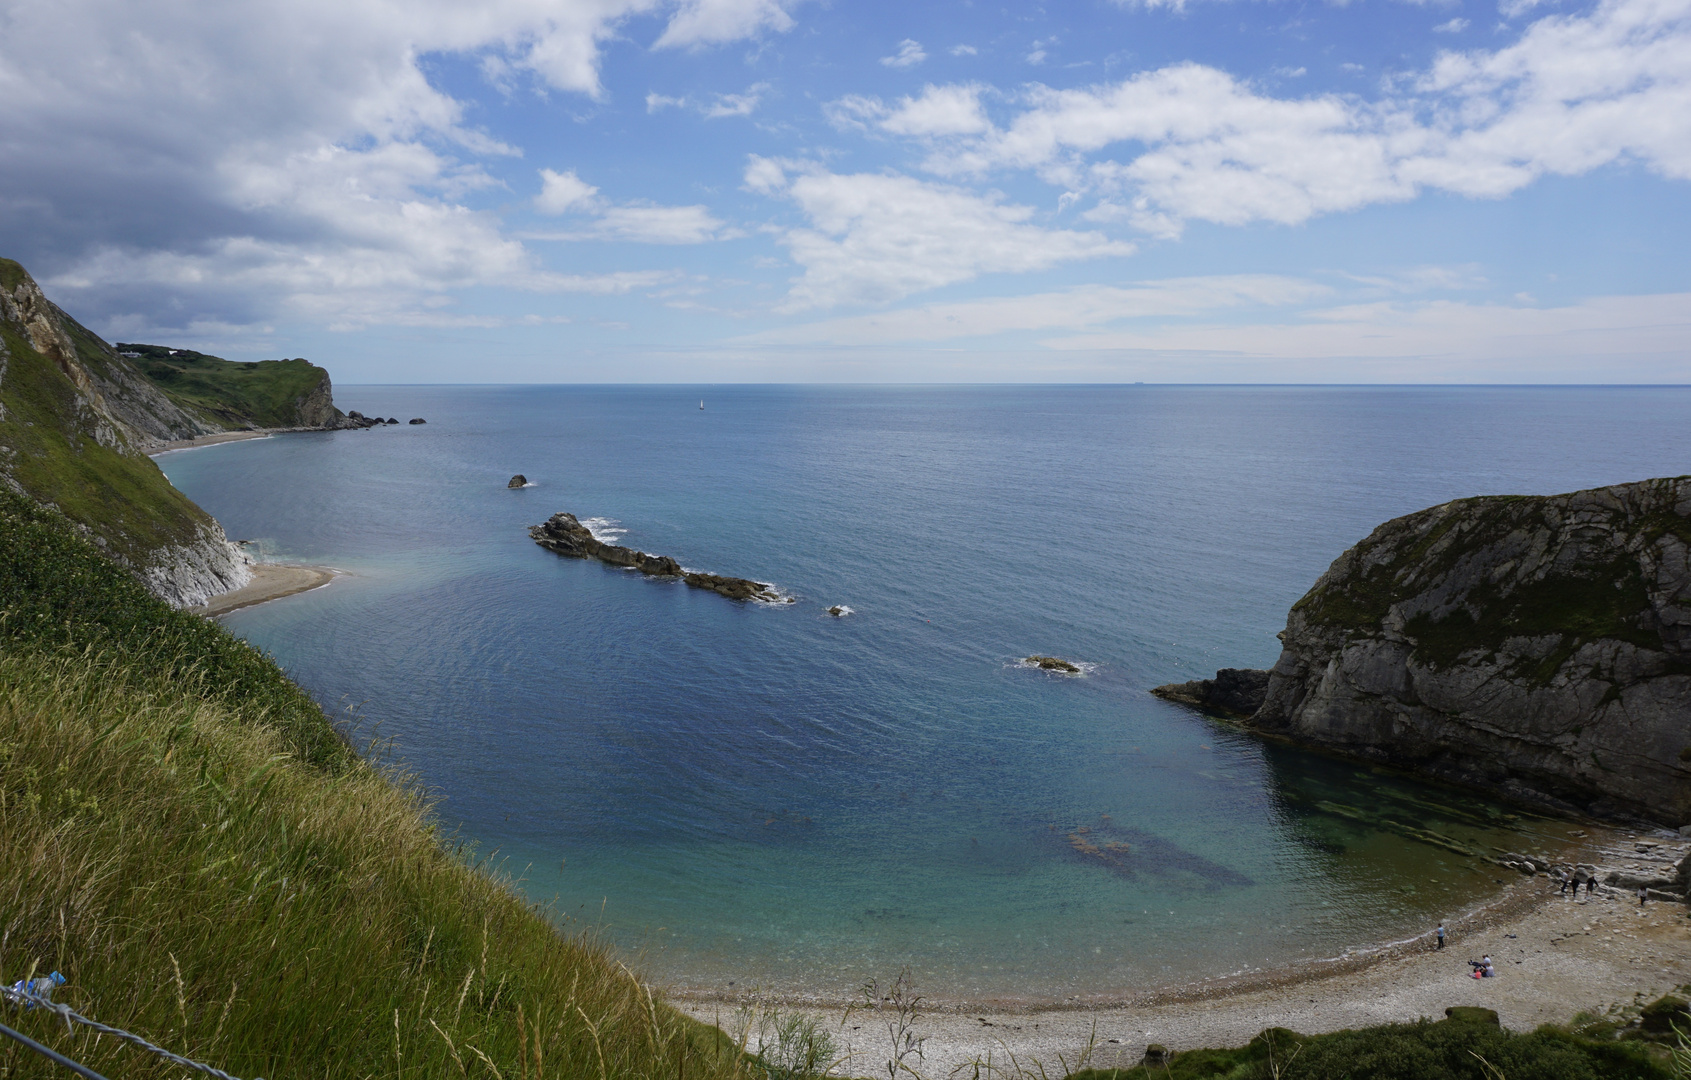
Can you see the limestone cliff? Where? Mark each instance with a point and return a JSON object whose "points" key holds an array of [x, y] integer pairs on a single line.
{"points": [[75, 421], [1538, 646]]}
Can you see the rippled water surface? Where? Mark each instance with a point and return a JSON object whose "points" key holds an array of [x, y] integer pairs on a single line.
{"points": [[770, 795]]}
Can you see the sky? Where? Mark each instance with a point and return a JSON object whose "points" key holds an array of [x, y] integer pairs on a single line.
{"points": [[712, 191]]}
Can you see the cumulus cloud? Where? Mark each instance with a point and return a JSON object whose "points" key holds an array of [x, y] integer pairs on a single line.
{"points": [[1453, 26], [634, 222], [713, 22], [1572, 94], [963, 50], [299, 149], [876, 237], [909, 54], [563, 191]]}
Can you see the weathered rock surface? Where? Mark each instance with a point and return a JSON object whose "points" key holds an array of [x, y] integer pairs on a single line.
{"points": [[76, 420], [1540, 647], [518, 481], [1236, 692], [565, 535], [1052, 663], [418, 420]]}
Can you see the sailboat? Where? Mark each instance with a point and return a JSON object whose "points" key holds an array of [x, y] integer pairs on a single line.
{"points": [[701, 403]]}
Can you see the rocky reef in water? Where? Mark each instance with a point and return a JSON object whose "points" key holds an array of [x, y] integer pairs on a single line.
{"points": [[565, 535], [1536, 647]]}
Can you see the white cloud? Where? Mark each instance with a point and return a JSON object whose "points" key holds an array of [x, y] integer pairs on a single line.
{"points": [[563, 191], [633, 222], [940, 110], [719, 106], [878, 237], [660, 225], [909, 54], [963, 50], [1572, 94], [1454, 26], [713, 22], [1072, 309], [1441, 336], [299, 149]]}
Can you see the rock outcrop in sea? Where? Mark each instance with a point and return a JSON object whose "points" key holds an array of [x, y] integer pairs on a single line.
{"points": [[565, 535], [1234, 692], [517, 481], [1536, 647]]}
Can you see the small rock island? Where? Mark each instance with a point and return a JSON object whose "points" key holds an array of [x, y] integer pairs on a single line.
{"points": [[518, 481], [1052, 663], [567, 536]]}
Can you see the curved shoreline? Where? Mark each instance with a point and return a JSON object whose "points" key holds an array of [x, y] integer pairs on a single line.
{"points": [[1556, 956], [270, 581]]}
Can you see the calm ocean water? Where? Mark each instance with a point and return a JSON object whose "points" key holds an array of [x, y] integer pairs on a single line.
{"points": [[772, 796]]}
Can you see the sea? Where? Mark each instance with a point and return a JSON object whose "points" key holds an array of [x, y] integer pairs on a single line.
{"points": [[768, 797]]}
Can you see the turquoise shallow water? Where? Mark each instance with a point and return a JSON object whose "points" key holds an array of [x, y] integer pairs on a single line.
{"points": [[772, 796]]}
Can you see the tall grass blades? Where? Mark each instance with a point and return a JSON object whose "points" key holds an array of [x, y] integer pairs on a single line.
{"points": [[202, 886]]}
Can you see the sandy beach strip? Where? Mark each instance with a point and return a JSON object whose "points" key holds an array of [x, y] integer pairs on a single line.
{"points": [[270, 581], [1555, 957], [213, 440]]}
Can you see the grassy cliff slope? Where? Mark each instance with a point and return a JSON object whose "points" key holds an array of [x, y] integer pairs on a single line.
{"points": [[210, 866], [257, 394], [62, 450]]}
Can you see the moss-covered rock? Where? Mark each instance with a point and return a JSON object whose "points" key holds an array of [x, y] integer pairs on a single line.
{"points": [[1540, 647]]}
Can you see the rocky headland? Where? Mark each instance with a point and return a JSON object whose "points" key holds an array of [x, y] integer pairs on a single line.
{"points": [[1537, 647], [567, 536]]}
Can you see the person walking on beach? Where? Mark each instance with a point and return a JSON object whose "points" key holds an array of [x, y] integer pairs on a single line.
{"points": [[1590, 886], [1439, 935], [1568, 879], [1642, 893]]}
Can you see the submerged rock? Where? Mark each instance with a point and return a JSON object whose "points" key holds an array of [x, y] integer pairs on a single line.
{"points": [[1052, 663], [565, 535], [1235, 692], [518, 481], [839, 611]]}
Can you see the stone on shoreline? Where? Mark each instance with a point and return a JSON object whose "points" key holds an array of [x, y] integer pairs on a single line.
{"points": [[418, 420]]}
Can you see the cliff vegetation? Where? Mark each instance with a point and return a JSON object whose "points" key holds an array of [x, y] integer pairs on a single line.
{"points": [[239, 395], [190, 843]]}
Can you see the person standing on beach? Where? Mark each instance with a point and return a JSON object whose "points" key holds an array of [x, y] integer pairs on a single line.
{"points": [[1439, 934], [1590, 887], [1568, 879], [1642, 893]]}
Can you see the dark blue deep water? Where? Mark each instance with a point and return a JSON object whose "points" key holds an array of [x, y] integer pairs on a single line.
{"points": [[773, 796]]}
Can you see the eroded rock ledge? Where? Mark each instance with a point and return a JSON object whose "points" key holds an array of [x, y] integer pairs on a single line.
{"points": [[1536, 647], [1234, 692], [565, 535]]}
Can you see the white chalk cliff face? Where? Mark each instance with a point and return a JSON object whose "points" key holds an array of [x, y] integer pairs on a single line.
{"points": [[1540, 647], [76, 420]]}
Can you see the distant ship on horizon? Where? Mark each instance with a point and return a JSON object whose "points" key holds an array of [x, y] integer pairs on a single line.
{"points": [[701, 404]]}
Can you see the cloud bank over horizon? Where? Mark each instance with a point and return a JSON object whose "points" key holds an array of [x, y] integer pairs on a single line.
{"points": [[705, 180]]}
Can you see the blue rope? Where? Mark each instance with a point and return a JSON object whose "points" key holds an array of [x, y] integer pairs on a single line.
{"points": [[25, 994]]}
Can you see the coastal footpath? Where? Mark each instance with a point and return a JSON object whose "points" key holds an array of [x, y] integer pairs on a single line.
{"points": [[1536, 647]]}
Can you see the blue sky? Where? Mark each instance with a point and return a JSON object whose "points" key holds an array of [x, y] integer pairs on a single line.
{"points": [[771, 190]]}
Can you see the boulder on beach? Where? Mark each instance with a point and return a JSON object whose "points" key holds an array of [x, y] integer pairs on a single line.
{"points": [[518, 481], [1052, 663]]}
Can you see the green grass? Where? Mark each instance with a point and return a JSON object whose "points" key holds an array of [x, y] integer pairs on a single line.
{"points": [[49, 446], [189, 843], [238, 395], [1456, 1049]]}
